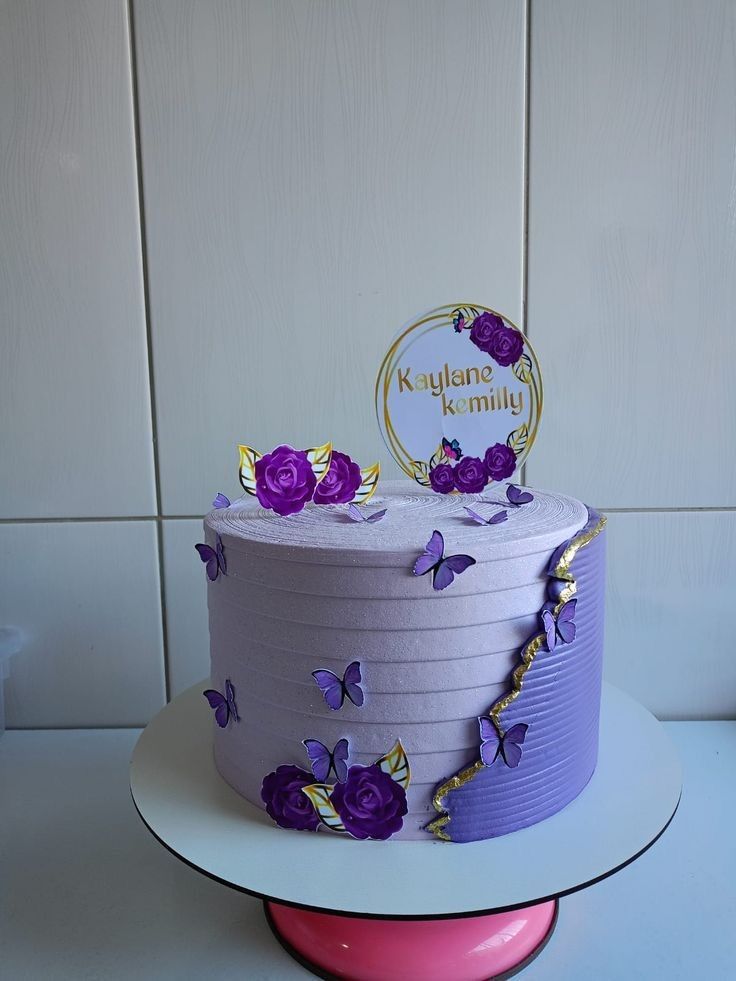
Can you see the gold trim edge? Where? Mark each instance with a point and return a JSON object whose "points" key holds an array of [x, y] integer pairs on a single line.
{"points": [[528, 653]]}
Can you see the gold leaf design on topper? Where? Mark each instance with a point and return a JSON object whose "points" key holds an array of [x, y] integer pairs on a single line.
{"points": [[439, 456], [396, 765], [319, 794], [420, 472], [523, 369], [528, 653], [517, 440], [319, 459], [247, 470], [466, 312], [368, 484]]}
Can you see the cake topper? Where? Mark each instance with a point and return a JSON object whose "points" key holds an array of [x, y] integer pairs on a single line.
{"points": [[459, 398]]}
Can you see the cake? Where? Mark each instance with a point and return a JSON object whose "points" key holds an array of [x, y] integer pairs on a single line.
{"points": [[352, 694]]}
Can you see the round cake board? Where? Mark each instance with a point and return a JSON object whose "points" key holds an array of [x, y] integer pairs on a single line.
{"points": [[312, 883]]}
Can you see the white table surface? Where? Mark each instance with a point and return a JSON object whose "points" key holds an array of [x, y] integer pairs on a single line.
{"points": [[87, 893]]}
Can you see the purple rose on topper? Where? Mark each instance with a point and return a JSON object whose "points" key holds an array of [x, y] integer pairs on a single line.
{"points": [[285, 480], [500, 461], [370, 803], [470, 475], [281, 792], [504, 344], [340, 483], [482, 329], [442, 478]]}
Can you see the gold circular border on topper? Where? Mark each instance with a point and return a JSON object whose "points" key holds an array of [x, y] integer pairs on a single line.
{"points": [[441, 317]]}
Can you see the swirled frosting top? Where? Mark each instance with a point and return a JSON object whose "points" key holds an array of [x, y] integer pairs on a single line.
{"points": [[326, 533]]}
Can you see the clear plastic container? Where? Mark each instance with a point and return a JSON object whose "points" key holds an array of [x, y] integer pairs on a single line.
{"points": [[10, 643]]}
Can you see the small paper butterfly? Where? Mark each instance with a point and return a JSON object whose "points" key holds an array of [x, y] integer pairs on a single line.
{"points": [[517, 497], [508, 746], [322, 760], [224, 705], [221, 501], [514, 496], [560, 629], [335, 689], [357, 515], [495, 519], [443, 569], [458, 322], [214, 559], [451, 449]]}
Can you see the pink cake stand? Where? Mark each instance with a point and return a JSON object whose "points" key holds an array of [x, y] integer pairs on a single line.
{"points": [[407, 911]]}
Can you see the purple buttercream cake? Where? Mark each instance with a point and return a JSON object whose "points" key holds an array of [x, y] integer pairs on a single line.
{"points": [[362, 699]]}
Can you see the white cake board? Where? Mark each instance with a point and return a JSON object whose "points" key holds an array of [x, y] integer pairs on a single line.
{"points": [[629, 802]]}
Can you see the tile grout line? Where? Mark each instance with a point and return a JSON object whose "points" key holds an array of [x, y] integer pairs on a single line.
{"points": [[525, 182], [135, 100]]}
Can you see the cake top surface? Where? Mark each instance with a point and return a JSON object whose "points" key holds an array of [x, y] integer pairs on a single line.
{"points": [[413, 513]]}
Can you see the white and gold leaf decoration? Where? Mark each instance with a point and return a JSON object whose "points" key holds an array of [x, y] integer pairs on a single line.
{"points": [[319, 794], [368, 483], [439, 456], [396, 764], [319, 459], [247, 470], [517, 440], [420, 472]]}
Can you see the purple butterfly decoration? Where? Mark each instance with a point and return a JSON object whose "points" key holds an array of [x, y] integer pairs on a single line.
{"points": [[336, 689], [451, 449], [507, 746], [221, 501], [224, 705], [458, 322], [515, 497], [357, 515], [560, 629], [443, 569], [322, 760], [495, 519], [214, 559]]}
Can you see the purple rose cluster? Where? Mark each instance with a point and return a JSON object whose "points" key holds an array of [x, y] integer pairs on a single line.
{"points": [[491, 335], [471, 474], [285, 480], [369, 803]]}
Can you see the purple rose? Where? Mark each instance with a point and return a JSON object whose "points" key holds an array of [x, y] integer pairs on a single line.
{"points": [[285, 480], [482, 329], [370, 803], [470, 475], [500, 461], [281, 792], [442, 478], [339, 484], [504, 344]]}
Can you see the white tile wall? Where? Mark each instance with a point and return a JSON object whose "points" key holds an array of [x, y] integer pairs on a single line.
{"points": [[186, 604], [671, 580], [85, 597], [314, 174], [74, 392], [632, 249]]}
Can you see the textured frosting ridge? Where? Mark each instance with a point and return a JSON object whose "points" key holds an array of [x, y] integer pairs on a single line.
{"points": [[317, 590]]}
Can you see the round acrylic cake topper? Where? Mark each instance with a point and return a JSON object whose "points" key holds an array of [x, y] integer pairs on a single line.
{"points": [[459, 398]]}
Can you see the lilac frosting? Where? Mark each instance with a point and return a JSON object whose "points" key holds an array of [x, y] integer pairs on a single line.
{"points": [[561, 693], [316, 590]]}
